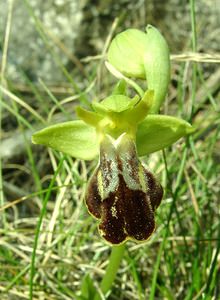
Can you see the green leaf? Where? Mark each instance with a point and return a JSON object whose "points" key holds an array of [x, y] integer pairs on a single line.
{"points": [[88, 289], [158, 131], [74, 138]]}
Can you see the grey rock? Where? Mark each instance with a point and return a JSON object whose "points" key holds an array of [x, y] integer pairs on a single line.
{"points": [[28, 52]]}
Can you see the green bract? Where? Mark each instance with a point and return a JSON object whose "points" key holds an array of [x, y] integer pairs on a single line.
{"points": [[143, 55]]}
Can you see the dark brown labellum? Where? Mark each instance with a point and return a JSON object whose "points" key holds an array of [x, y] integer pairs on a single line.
{"points": [[122, 193]]}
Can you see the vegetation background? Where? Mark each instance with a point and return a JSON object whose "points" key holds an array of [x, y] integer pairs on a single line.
{"points": [[52, 58]]}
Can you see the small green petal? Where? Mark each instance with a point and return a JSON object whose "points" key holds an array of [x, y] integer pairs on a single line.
{"points": [[89, 117], [158, 131], [138, 112], [134, 101], [74, 138]]}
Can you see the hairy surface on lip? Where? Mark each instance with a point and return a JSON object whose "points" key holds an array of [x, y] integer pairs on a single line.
{"points": [[123, 194]]}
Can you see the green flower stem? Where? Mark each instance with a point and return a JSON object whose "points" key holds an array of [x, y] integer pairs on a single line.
{"points": [[111, 271]]}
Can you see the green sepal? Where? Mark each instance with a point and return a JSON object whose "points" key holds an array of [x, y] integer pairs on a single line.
{"points": [[158, 131], [74, 138]]}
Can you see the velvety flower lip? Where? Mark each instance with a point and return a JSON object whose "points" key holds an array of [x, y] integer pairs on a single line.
{"points": [[122, 194]]}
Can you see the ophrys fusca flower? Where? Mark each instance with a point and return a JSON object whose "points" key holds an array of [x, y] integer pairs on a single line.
{"points": [[122, 194]]}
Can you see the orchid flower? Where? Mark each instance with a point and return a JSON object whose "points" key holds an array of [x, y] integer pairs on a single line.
{"points": [[122, 193]]}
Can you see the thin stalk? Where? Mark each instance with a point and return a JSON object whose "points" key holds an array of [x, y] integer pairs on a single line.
{"points": [[194, 48], [174, 195], [111, 271], [157, 264], [3, 82]]}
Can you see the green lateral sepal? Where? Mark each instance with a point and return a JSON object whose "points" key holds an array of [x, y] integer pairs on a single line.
{"points": [[158, 131], [74, 138]]}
